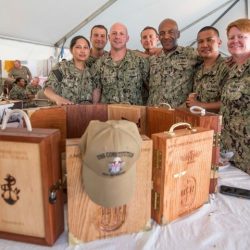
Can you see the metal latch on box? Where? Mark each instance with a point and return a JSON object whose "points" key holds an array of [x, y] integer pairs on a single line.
{"points": [[155, 200], [59, 185]]}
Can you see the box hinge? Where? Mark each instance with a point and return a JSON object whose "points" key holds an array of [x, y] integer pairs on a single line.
{"points": [[214, 167], [155, 200], [157, 158], [216, 139]]}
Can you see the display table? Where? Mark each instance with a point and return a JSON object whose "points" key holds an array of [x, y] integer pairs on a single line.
{"points": [[223, 223]]}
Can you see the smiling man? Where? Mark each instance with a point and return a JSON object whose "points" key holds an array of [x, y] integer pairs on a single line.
{"points": [[210, 75], [171, 72], [149, 40], [122, 73], [98, 40]]}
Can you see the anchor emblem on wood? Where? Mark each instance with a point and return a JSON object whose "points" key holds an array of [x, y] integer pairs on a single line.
{"points": [[10, 194]]}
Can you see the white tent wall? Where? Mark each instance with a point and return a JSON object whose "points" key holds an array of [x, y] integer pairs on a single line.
{"points": [[11, 50]]}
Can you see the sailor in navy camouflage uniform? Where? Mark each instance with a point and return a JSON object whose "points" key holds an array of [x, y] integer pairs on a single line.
{"points": [[121, 74], [70, 82], [172, 71], [210, 76], [236, 96]]}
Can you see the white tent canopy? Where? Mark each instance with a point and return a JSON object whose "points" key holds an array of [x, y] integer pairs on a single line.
{"points": [[30, 29]]}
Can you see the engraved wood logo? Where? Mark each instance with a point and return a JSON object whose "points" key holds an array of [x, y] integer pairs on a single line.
{"points": [[188, 193], [10, 193], [190, 156], [110, 219]]}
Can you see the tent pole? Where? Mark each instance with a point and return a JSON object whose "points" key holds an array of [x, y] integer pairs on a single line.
{"points": [[218, 18], [208, 14], [24, 41], [84, 22]]}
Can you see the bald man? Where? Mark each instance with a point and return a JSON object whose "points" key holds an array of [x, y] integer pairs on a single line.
{"points": [[20, 71], [171, 73], [122, 74]]}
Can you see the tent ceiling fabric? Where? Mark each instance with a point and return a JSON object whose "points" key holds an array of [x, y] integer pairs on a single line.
{"points": [[46, 22], [43, 21]]}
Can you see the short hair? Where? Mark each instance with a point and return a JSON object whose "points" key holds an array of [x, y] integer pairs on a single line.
{"points": [[242, 24], [100, 26], [150, 28], [18, 79], [168, 20], [209, 28], [74, 40]]}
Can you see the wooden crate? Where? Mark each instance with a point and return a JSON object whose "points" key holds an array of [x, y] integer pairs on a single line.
{"points": [[29, 167], [159, 119], [210, 121], [181, 172], [88, 221], [133, 113], [79, 116]]}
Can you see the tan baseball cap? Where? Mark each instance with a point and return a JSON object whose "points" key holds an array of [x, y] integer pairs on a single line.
{"points": [[110, 150]]}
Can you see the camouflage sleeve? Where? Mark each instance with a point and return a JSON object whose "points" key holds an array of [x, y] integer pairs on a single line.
{"points": [[54, 79], [192, 54], [144, 64], [224, 73], [28, 89], [13, 94], [95, 71], [28, 72], [16, 94], [10, 73]]}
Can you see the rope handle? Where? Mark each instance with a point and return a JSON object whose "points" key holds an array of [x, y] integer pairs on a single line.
{"points": [[179, 124], [22, 113], [197, 110]]}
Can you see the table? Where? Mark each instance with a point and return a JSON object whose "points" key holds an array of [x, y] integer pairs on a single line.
{"points": [[222, 223]]}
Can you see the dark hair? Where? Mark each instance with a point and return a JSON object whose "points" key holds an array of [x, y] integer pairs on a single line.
{"points": [[18, 79], [74, 40], [209, 28], [100, 26], [150, 28]]}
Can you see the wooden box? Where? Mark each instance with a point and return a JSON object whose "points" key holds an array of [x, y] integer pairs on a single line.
{"points": [[88, 221], [29, 167], [159, 119], [49, 117], [133, 113], [210, 121], [181, 172], [79, 116]]}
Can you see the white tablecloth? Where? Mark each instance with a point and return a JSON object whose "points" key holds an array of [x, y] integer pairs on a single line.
{"points": [[223, 223]]}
